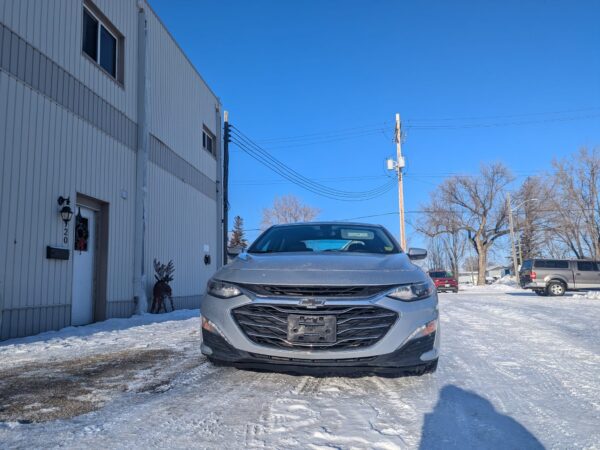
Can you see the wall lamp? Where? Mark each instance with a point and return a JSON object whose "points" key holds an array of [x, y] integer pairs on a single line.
{"points": [[66, 213]]}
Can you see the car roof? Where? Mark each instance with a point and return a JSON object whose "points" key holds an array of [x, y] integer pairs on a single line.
{"points": [[558, 259], [362, 224]]}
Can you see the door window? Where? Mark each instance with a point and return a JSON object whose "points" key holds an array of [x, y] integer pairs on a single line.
{"points": [[587, 266]]}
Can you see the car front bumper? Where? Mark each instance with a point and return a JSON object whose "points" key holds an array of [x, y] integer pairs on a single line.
{"points": [[226, 342], [443, 288]]}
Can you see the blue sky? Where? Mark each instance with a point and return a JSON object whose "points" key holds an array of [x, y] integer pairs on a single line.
{"points": [[474, 81]]}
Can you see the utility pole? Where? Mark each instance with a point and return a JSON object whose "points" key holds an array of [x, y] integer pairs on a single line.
{"points": [[512, 233], [226, 139], [399, 166]]}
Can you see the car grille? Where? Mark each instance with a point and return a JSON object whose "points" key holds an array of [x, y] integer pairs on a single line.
{"points": [[267, 290], [357, 326]]}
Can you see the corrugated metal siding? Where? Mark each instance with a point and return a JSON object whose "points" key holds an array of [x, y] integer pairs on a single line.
{"points": [[65, 128], [27, 321], [187, 302], [124, 308], [54, 27], [166, 158], [180, 101], [180, 222], [46, 77], [64, 155]]}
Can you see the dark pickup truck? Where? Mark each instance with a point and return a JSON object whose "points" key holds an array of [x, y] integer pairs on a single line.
{"points": [[556, 276]]}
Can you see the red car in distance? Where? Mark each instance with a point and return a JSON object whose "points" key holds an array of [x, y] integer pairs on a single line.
{"points": [[444, 281]]}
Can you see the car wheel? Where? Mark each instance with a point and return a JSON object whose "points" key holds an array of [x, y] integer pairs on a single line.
{"points": [[555, 289]]}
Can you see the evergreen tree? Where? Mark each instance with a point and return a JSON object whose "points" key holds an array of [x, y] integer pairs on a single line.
{"points": [[237, 235]]}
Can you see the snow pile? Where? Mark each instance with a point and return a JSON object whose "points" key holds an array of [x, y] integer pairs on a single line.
{"points": [[506, 283], [116, 334], [594, 295]]}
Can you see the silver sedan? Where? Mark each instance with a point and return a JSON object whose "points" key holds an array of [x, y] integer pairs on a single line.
{"points": [[323, 298]]}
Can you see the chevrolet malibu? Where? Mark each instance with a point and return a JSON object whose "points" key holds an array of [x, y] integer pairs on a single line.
{"points": [[323, 298]]}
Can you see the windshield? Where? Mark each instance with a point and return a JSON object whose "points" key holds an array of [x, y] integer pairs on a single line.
{"points": [[325, 238], [440, 274]]}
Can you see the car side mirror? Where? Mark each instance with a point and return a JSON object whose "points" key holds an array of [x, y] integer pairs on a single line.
{"points": [[417, 253]]}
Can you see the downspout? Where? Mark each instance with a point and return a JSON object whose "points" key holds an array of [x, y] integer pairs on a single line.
{"points": [[141, 168], [221, 257]]}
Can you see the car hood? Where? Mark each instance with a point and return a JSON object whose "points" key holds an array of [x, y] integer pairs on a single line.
{"points": [[321, 269]]}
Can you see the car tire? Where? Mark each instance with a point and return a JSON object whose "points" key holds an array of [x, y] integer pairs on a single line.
{"points": [[555, 289]]}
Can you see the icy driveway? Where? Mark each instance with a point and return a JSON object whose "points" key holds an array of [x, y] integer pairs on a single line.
{"points": [[518, 371]]}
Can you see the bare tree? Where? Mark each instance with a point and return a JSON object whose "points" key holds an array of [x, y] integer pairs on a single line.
{"points": [[577, 202], [436, 258], [474, 204], [471, 263], [533, 216], [446, 237], [288, 209]]}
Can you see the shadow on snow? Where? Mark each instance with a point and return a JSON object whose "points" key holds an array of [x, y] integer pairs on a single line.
{"points": [[464, 420]]}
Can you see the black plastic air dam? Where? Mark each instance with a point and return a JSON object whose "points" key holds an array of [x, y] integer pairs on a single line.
{"points": [[404, 361]]}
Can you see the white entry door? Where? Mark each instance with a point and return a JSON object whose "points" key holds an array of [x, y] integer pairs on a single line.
{"points": [[84, 252]]}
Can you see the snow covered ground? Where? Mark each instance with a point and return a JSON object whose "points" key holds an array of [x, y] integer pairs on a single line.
{"points": [[517, 371]]}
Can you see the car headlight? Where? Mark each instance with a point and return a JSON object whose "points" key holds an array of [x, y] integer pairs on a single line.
{"points": [[412, 292], [222, 289]]}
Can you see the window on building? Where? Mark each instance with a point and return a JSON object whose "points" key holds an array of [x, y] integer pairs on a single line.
{"points": [[101, 42], [208, 142]]}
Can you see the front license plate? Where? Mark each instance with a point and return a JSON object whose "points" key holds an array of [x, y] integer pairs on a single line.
{"points": [[447, 285], [311, 329]]}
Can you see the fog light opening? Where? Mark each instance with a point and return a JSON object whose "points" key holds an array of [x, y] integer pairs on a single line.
{"points": [[210, 327], [430, 328], [425, 330]]}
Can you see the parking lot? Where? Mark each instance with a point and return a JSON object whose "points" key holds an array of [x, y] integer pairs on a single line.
{"points": [[516, 371]]}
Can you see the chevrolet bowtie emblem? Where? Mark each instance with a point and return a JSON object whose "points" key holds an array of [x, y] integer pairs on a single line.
{"points": [[311, 303]]}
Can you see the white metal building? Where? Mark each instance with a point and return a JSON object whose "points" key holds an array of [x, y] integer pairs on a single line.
{"points": [[99, 105]]}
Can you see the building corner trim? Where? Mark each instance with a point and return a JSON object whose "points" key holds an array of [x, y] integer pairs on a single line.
{"points": [[141, 172]]}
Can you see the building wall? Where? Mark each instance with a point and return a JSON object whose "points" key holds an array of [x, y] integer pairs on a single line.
{"points": [[54, 28], [66, 128]]}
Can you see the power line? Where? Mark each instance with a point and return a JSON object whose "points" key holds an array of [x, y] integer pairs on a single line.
{"points": [[500, 124], [261, 155], [415, 176], [330, 139], [329, 136], [431, 211], [508, 116], [322, 180], [330, 133], [310, 185]]}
